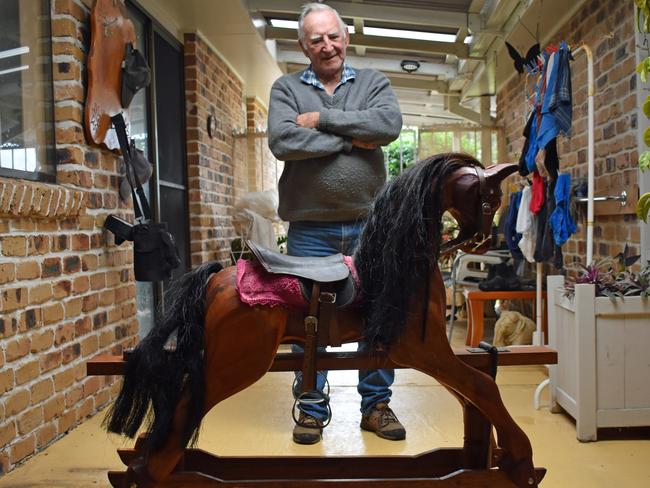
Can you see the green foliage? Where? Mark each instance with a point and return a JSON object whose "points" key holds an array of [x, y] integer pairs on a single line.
{"points": [[393, 155], [612, 283]]}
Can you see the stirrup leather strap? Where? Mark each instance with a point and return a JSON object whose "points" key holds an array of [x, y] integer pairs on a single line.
{"points": [[311, 341]]}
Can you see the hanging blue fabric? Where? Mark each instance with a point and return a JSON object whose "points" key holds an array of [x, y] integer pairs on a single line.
{"points": [[509, 229], [556, 108], [561, 221], [548, 128], [560, 101], [533, 146]]}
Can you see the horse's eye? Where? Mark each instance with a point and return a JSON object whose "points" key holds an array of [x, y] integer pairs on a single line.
{"points": [[486, 208]]}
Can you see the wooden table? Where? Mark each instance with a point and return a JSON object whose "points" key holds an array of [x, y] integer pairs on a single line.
{"points": [[476, 299]]}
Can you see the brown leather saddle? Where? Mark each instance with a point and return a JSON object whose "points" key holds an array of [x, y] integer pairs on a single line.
{"points": [[327, 285]]}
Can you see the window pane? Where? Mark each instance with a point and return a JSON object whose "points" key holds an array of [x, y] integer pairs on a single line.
{"points": [[26, 128]]}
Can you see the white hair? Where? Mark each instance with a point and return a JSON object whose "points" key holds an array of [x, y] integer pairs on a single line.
{"points": [[315, 7]]}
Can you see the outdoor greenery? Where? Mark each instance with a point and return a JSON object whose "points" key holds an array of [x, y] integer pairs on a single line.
{"points": [[401, 153]]}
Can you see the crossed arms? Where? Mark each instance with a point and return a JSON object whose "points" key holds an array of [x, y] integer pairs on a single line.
{"points": [[294, 136]]}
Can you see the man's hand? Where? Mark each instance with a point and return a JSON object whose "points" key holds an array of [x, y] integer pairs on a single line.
{"points": [[364, 145], [308, 120]]}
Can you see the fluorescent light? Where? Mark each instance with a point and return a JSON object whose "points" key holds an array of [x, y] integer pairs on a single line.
{"points": [[10, 53], [293, 24], [409, 34], [379, 32], [13, 70], [284, 24]]}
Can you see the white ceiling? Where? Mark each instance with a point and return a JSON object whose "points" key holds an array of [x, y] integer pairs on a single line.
{"points": [[452, 77]]}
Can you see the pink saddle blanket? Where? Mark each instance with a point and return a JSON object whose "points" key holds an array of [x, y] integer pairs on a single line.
{"points": [[256, 286]]}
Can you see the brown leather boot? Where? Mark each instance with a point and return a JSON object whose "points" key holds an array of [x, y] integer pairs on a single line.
{"points": [[308, 430], [382, 421]]}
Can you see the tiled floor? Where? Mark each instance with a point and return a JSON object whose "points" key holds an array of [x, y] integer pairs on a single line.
{"points": [[257, 421]]}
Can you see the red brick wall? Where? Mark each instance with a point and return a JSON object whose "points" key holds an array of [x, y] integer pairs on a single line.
{"points": [[263, 169], [607, 26], [217, 166], [66, 291]]}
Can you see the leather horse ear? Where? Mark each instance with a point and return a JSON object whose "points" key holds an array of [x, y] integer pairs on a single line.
{"points": [[497, 173]]}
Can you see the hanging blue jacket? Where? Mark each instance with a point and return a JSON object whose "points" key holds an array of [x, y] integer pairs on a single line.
{"points": [[561, 221], [509, 229]]}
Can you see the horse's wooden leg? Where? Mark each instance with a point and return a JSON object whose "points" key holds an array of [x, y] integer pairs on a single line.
{"points": [[240, 346], [434, 356]]}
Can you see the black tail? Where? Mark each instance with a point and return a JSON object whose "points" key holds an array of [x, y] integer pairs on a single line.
{"points": [[157, 372]]}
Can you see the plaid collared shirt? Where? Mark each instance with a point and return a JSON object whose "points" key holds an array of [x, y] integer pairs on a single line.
{"points": [[309, 77]]}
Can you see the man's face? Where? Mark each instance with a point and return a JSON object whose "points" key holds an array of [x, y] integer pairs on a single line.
{"points": [[324, 43]]}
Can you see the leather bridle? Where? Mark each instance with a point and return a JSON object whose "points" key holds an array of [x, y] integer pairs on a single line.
{"points": [[484, 217]]}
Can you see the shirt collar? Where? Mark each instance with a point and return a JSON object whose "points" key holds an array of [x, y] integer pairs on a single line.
{"points": [[309, 77]]}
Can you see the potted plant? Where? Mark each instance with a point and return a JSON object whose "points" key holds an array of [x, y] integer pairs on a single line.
{"points": [[599, 322]]}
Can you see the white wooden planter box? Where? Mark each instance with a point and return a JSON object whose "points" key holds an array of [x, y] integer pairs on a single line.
{"points": [[602, 378]]}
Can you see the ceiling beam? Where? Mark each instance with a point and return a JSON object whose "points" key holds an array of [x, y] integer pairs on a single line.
{"points": [[458, 49], [418, 83], [414, 109], [452, 104], [423, 121], [358, 27], [384, 63], [382, 13], [420, 97]]}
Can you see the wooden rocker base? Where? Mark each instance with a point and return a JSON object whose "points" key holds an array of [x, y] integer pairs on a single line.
{"points": [[469, 466], [437, 468]]}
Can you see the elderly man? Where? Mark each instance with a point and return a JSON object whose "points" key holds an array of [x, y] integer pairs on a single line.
{"points": [[328, 123]]}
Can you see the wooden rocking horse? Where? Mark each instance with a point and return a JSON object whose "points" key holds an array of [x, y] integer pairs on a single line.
{"points": [[223, 346]]}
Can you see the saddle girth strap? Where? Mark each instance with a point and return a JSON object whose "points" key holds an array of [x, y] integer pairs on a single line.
{"points": [[311, 342], [328, 314]]}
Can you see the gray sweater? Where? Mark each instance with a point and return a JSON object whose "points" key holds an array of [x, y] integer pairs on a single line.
{"points": [[325, 178]]}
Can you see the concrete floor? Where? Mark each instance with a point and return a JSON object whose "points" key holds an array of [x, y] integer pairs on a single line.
{"points": [[257, 421]]}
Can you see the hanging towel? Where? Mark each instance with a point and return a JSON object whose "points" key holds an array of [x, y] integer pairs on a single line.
{"points": [[526, 226], [561, 220]]}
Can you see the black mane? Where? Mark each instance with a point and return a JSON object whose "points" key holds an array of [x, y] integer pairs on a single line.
{"points": [[400, 241]]}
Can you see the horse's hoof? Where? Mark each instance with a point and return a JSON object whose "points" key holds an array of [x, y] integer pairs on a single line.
{"points": [[137, 475], [522, 472]]}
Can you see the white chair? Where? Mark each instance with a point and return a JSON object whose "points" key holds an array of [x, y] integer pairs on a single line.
{"points": [[467, 270]]}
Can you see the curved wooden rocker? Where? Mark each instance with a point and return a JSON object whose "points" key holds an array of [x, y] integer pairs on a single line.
{"points": [[223, 346]]}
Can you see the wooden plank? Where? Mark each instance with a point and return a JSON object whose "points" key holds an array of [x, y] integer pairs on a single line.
{"points": [[585, 321], [459, 479], [432, 464], [610, 363], [637, 365], [624, 417], [515, 356]]}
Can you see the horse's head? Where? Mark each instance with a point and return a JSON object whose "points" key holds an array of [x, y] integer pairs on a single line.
{"points": [[473, 196]]}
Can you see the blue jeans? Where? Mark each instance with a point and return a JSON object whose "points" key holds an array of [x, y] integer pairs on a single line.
{"points": [[323, 239]]}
